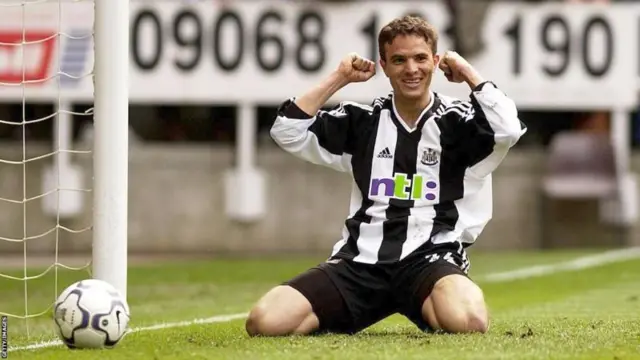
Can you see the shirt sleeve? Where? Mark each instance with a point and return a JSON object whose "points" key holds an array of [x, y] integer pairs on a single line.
{"points": [[325, 138], [485, 128]]}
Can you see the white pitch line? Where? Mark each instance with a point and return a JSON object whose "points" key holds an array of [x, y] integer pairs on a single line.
{"points": [[580, 263], [210, 320]]}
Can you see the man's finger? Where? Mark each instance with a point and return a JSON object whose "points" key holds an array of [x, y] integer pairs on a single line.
{"points": [[358, 63], [369, 65], [362, 64]]}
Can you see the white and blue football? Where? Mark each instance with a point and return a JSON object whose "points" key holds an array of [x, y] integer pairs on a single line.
{"points": [[91, 314]]}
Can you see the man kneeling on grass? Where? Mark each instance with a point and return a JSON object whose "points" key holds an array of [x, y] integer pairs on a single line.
{"points": [[421, 164]]}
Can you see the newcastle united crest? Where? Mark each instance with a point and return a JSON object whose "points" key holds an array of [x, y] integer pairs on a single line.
{"points": [[429, 157]]}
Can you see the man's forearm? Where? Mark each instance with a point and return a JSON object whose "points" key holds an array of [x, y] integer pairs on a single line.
{"points": [[317, 97], [472, 78]]}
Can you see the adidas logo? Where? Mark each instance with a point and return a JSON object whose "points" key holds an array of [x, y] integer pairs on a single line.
{"points": [[385, 154]]}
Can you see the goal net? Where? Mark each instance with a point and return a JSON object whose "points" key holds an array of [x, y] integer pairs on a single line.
{"points": [[63, 152]]}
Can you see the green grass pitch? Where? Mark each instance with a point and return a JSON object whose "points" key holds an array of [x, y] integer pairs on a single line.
{"points": [[592, 313]]}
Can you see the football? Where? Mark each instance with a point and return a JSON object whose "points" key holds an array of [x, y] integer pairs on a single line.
{"points": [[91, 314]]}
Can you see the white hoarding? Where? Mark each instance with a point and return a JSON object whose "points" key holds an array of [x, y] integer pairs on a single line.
{"points": [[556, 55]]}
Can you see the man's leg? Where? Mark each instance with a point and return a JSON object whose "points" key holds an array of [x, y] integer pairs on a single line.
{"points": [[438, 295], [337, 296], [308, 303], [282, 311], [456, 305]]}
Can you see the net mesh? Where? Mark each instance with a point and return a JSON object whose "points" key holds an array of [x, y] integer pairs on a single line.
{"points": [[45, 56]]}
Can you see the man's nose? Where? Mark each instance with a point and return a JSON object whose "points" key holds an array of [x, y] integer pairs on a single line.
{"points": [[411, 66]]}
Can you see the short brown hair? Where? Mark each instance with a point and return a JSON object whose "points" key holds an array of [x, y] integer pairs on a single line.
{"points": [[407, 25]]}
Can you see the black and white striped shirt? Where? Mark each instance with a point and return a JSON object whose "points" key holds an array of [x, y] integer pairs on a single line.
{"points": [[411, 187]]}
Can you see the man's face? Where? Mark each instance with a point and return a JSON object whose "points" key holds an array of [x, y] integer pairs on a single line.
{"points": [[409, 64]]}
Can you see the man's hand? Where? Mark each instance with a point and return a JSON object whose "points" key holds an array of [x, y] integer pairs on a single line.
{"points": [[458, 70], [354, 68]]}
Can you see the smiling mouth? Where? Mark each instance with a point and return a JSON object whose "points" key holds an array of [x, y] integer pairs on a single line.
{"points": [[412, 83]]}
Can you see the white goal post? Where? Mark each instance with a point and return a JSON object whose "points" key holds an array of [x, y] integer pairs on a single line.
{"points": [[111, 152]]}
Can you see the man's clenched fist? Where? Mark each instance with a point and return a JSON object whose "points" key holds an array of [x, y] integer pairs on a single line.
{"points": [[457, 69], [354, 68]]}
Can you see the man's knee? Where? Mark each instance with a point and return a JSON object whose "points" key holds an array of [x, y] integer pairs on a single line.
{"points": [[456, 305], [282, 311]]}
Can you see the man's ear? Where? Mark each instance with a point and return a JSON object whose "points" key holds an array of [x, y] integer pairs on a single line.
{"points": [[383, 66], [436, 59]]}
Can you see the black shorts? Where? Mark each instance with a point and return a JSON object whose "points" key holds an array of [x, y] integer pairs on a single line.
{"points": [[348, 296]]}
